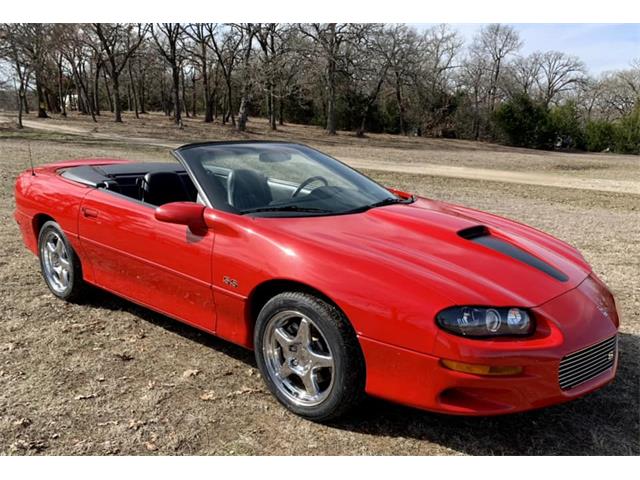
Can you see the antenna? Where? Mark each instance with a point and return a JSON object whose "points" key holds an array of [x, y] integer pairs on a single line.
{"points": [[33, 172]]}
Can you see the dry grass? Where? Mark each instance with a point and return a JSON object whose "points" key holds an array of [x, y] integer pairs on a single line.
{"points": [[109, 377]]}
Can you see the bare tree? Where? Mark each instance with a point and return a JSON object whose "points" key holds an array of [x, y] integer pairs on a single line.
{"points": [[199, 51], [402, 53], [227, 43], [496, 42], [366, 66], [523, 75], [440, 48], [117, 43], [329, 39], [10, 50], [167, 37], [560, 73], [473, 78], [33, 40], [247, 31], [73, 48]]}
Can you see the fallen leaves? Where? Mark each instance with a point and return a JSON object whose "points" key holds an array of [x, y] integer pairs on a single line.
{"points": [[152, 447], [136, 424], [23, 422], [8, 347], [244, 391], [192, 372], [85, 397], [109, 422], [125, 357], [208, 396], [23, 445]]}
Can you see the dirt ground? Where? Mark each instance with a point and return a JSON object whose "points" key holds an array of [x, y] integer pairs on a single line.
{"points": [[109, 377]]}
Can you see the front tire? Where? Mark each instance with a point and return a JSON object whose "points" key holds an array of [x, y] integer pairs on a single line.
{"points": [[59, 263], [309, 356]]}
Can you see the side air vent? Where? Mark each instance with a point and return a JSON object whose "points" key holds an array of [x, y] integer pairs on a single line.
{"points": [[481, 235]]}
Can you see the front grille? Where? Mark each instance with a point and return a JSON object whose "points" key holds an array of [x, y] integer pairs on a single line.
{"points": [[583, 365]]}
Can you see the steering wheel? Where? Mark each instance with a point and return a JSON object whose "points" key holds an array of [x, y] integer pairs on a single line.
{"points": [[309, 181]]}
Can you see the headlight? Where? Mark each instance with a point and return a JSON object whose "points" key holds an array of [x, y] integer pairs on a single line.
{"points": [[486, 321]]}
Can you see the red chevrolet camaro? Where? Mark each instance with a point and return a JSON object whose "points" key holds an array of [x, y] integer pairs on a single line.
{"points": [[341, 286]]}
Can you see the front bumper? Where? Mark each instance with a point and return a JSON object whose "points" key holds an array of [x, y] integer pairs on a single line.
{"points": [[566, 324]]}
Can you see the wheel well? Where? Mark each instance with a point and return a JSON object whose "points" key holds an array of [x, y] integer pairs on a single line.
{"points": [[38, 221], [269, 289]]}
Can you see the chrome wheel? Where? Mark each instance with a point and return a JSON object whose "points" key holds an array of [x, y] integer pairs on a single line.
{"points": [[298, 358], [55, 262]]}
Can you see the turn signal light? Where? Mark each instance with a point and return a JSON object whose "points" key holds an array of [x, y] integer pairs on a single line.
{"points": [[481, 369]]}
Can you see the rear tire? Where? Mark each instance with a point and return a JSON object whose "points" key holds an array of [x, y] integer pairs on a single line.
{"points": [[59, 263], [309, 356]]}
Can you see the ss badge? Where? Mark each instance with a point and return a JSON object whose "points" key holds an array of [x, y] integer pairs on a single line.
{"points": [[232, 282]]}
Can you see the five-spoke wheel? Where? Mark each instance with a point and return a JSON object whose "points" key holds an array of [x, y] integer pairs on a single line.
{"points": [[59, 263], [298, 358], [309, 355], [55, 260]]}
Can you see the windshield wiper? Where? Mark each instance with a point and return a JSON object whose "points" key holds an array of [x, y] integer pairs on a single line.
{"points": [[381, 203], [286, 208]]}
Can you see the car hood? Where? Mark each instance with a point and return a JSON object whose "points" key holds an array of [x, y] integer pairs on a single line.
{"points": [[468, 256]]}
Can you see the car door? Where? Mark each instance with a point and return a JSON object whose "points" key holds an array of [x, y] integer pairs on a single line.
{"points": [[161, 265]]}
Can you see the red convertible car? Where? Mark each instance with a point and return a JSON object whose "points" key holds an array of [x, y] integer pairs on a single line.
{"points": [[341, 286]]}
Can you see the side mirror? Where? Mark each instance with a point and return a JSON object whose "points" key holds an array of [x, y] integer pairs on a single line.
{"points": [[182, 213]]}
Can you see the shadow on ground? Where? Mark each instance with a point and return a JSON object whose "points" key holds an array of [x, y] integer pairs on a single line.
{"points": [[606, 422]]}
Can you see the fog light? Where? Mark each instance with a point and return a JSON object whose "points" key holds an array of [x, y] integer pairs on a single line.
{"points": [[492, 370]]}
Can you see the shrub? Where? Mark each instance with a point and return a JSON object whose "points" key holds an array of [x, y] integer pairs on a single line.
{"points": [[599, 135], [566, 126], [524, 123], [627, 133]]}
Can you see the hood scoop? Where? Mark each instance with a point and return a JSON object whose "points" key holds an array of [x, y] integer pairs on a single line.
{"points": [[480, 234]]}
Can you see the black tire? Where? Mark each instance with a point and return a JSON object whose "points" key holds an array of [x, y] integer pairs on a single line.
{"points": [[76, 287], [348, 381]]}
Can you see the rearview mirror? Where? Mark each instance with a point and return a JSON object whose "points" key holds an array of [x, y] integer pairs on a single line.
{"points": [[182, 213]]}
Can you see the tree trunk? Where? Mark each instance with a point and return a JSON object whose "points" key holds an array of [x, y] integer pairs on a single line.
{"points": [[60, 89], [133, 89], [142, 96], [116, 99], [109, 95], [42, 112], [208, 103], [19, 94], [175, 73], [229, 114], [331, 83], [194, 97], [271, 107], [184, 93], [243, 111], [401, 111], [96, 89], [331, 100]]}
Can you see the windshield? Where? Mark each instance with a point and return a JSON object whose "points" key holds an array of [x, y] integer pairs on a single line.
{"points": [[279, 179]]}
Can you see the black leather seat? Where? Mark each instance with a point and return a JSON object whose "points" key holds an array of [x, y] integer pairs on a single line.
{"points": [[159, 188], [248, 189]]}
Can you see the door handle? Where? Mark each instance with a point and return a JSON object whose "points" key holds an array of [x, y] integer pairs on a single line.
{"points": [[89, 212]]}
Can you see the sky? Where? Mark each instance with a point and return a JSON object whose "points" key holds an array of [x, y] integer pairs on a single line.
{"points": [[601, 47]]}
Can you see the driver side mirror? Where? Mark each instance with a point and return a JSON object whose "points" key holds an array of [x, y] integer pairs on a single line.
{"points": [[182, 213]]}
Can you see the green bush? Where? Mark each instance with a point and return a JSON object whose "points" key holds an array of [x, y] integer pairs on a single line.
{"points": [[599, 135], [524, 123], [627, 133], [566, 125]]}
